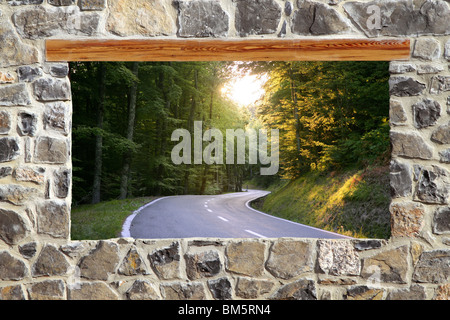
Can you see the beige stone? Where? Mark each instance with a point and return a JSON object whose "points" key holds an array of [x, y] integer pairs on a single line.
{"points": [[92, 291], [139, 17], [251, 288], [407, 219], [388, 266], [246, 258]]}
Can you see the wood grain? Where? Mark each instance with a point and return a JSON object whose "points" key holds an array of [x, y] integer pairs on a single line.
{"points": [[228, 50]]}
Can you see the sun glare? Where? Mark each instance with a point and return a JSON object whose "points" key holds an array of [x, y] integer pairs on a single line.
{"points": [[245, 90]]}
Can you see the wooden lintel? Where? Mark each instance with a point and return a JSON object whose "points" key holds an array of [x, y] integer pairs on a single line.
{"points": [[228, 50]]}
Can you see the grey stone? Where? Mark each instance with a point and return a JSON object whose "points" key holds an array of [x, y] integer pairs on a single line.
{"points": [[415, 292], [28, 250], [289, 258], [257, 17], [202, 19], [441, 221], [245, 257], [142, 290], [26, 126], [440, 84], [433, 267], [101, 262], [400, 68], [24, 2], [28, 174], [252, 288], [362, 245], [16, 194], [51, 150], [427, 49], [92, 291], [400, 18], [433, 186], [12, 293], [314, 18], [47, 290], [132, 264], [9, 149], [183, 291], [92, 5], [397, 114], [61, 180], [56, 117], [338, 258], [387, 266], [410, 145], [5, 122], [288, 7], [444, 156], [363, 293], [400, 179], [447, 50], [60, 3], [50, 262], [14, 95], [11, 268], [14, 52], [303, 289], [53, 218], [426, 113], [166, 262], [12, 227], [442, 134], [28, 73], [49, 89], [5, 171], [429, 69], [221, 289], [203, 264], [59, 70], [41, 22], [405, 87]]}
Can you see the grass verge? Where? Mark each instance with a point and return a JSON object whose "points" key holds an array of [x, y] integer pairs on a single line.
{"points": [[103, 220]]}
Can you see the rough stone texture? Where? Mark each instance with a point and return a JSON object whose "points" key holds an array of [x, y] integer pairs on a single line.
{"points": [[405, 87], [302, 289], [220, 289], [183, 291], [5, 171], [400, 179], [50, 262], [257, 17], [433, 186], [443, 292], [407, 219], [427, 49], [314, 18], [16, 194], [53, 218], [441, 221], [338, 258], [429, 18], [28, 250], [429, 69], [142, 290], [433, 267], [92, 291], [166, 262], [14, 95], [11, 268], [202, 19], [61, 180], [92, 5], [416, 292], [400, 68], [410, 145], [426, 113], [139, 17], [203, 264], [132, 264], [56, 117], [47, 290], [5, 122], [35, 175], [41, 22], [251, 288], [27, 124], [50, 89], [363, 293], [444, 156], [290, 258], [6, 77], [442, 134], [60, 3], [397, 114], [14, 52], [28, 73], [12, 227], [440, 84], [246, 258], [388, 266], [101, 262], [12, 293], [50, 150]]}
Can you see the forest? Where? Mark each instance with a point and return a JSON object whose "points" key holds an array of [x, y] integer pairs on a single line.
{"points": [[330, 115]]}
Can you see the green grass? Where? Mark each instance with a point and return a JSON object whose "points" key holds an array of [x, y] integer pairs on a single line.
{"points": [[354, 203], [103, 220]]}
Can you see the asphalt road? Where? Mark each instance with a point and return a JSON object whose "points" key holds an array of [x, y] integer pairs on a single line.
{"points": [[218, 216]]}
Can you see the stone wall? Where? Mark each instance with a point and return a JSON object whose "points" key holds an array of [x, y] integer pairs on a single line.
{"points": [[39, 261]]}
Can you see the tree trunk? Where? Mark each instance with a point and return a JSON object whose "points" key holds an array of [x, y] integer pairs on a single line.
{"points": [[99, 138], [130, 132]]}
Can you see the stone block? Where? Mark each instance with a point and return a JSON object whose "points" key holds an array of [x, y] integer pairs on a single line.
{"points": [[61, 184], [442, 134], [433, 267], [183, 291], [410, 145], [248, 288], [6, 77], [5, 122], [56, 117], [427, 49], [440, 84], [221, 289], [47, 290], [49, 89], [28, 174], [426, 113], [27, 124], [405, 87], [257, 17], [12, 227], [53, 218], [364, 293], [166, 262], [92, 5], [400, 179], [14, 95], [132, 264], [441, 221], [101, 262], [203, 264], [16, 194], [28, 250], [388, 266], [28, 73], [303, 289], [50, 262], [92, 291], [11, 268], [338, 258], [245, 257], [51, 150], [400, 68], [9, 149], [407, 219], [142, 290], [13, 292], [433, 186], [61, 3]]}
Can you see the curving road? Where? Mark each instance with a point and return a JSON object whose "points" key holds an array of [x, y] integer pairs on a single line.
{"points": [[217, 216]]}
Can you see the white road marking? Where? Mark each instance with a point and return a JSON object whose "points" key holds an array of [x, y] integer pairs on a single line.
{"points": [[206, 206], [209, 210], [222, 218], [255, 234]]}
